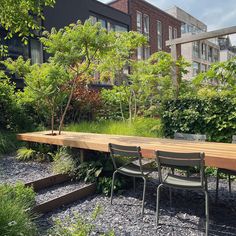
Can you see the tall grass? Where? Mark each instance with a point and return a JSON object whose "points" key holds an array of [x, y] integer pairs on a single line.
{"points": [[146, 127]]}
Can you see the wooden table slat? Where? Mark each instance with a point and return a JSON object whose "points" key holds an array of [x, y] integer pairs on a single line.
{"points": [[217, 154]]}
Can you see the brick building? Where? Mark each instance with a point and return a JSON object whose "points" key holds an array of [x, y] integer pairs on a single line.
{"points": [[154, 23]]}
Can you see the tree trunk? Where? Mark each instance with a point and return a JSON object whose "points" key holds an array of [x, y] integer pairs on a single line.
{"points": [[52, 120], [67, 105]]}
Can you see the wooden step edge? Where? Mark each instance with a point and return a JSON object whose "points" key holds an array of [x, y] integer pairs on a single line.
{"points": [[48, 181], [65, 199]]}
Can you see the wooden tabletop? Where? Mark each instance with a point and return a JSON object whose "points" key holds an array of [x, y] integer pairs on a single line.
{"points": [[217, 154]]}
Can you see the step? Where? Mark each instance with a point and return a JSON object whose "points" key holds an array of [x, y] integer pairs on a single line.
{"points": [[62, 194], [48, 181]]}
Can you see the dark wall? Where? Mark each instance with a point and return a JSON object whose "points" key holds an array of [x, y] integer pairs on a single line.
{"points": [[69, 11]]}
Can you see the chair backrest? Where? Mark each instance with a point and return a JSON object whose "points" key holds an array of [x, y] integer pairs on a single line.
{"points": [[174, 159], [234, 139], [190, 137], [131, 153]]}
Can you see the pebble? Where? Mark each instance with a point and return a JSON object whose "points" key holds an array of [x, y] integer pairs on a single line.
{"points": [[186, 218]]}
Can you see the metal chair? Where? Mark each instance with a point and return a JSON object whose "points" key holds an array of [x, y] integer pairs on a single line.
{"points": [[173, 181], [226, 172], [131, 153], [190, 137]]}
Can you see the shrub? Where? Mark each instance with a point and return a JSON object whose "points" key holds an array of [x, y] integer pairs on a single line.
{"points": [[8, 106], [85, 104], [214, 116], [15, 205], [89, 171], [80, 225], [13, 117], [63, 163], [104, 184], [8, 142]]}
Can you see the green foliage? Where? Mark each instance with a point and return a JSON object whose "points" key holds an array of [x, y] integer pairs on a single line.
{"points": [[76, 48], [115, 103], [149, 83], [8, 107], [22, 17], [25, 154], [214, 116], [13, 117], [220, 77], [8, 142], [146, 127], [63, 162], [15, 205], [80, 226], [89, 171], [122, 48], [104, 184]]}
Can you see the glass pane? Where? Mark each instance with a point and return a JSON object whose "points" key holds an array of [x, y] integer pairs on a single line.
{"points": [[36, 51]]}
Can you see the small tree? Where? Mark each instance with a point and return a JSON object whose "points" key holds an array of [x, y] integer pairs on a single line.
{"points": [[76, 48], [45, 84]]}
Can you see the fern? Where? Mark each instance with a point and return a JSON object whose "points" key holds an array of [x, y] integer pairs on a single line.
{"points": [[25, 154]]}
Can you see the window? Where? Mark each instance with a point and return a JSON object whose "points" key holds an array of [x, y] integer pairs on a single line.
{"points": [[210, 54], [103, 23], [139, 22], [170, 32], [203, 68], [93, 19], [146, 52], [183, 28], [196, 51], [146, 24], [204, 51], [175, 33], [36, 51], [119, 28], [196, 68], [110, 27], [140, 53], [159, 35], [215, 55]]}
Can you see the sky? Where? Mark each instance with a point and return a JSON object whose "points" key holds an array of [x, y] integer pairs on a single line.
{"points": [[215, 14]]}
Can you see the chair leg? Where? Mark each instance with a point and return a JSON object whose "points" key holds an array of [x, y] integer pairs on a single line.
{"points": [[170, 192], [144, 192], [207, 212], [229, 184], [157, 204], [217, 185], [134, 184], [112, 185]]}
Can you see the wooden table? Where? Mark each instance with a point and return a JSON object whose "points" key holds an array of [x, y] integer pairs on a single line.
{"points": [[217, 154]]}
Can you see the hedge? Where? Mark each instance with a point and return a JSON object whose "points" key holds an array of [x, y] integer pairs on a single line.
{"points": [[214, 116]]}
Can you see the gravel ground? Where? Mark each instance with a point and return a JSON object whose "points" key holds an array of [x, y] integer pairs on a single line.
{"points": [[12, 170], [185, 218], [57, 190]]}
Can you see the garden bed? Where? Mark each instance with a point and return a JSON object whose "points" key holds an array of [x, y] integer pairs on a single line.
{"points": [[185, 218], [12, 170]]}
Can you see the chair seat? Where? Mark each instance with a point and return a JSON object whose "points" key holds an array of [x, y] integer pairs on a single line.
{"points": [[182, 182], [226, 171], [132, 169]]}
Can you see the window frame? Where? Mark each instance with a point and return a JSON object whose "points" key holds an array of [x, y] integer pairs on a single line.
{"points": [[159, 35], [139, 28]]}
